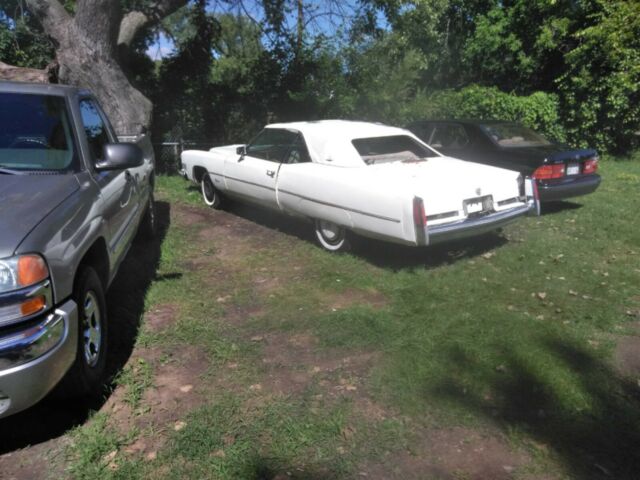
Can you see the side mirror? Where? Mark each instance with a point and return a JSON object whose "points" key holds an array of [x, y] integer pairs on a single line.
{"points": [[241, 150], [120, 156]]}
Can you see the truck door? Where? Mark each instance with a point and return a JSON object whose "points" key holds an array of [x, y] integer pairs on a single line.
{"points": [[119, 188], [254, 175]]}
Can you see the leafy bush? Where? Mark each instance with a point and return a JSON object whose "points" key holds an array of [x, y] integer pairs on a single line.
{"points": [[538, 110], [600, 91]]}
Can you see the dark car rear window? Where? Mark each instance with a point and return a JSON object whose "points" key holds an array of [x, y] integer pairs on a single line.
{"points": [[35, 133], [393, 148], [514, 135]]}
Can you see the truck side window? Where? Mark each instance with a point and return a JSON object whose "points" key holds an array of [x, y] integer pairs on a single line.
{"points": [[94, 128]]}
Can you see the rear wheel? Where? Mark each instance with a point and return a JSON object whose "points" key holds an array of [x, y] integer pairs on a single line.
{"points": [[86, 376], [332, 237], [149, 226], [210, 194]]}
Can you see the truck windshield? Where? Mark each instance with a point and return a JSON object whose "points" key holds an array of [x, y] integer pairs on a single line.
{"points": [[35, 133], [395, 148]]}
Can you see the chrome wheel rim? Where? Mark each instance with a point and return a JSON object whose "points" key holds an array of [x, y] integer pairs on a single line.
{"points": [[331, 232], [91, 329]]}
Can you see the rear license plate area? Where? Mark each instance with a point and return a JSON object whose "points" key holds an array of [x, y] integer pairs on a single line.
{"points": [[573, 169], [478, 206]]}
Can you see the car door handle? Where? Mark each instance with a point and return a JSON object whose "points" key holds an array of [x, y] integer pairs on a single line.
{"points": [[271, 173]]}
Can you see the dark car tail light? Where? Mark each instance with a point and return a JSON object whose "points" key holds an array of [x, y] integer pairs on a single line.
{"points": [[590, 166], [419, 215], [546, 172]]}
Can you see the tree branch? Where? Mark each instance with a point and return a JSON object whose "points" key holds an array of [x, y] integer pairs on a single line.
{"points": [[52, 16], [134, 21]]}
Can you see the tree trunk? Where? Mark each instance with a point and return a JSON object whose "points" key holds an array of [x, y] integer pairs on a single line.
{"points": [[87, 53]]}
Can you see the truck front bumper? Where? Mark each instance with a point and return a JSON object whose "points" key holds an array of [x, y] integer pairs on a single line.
{"points": [[34, 359], [476, 226]]}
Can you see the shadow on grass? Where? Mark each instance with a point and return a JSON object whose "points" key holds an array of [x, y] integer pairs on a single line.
{"points": [[603, 442], [268, 469], [558, 206], [51, 418], [382, 254]]}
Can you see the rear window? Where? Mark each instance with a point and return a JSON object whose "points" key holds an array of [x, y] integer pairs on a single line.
{"points": [[514, 135], [396, 148], [35, 133]]}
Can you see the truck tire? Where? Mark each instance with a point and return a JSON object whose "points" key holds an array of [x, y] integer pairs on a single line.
{"points": [[148, 225], [86, 375]]}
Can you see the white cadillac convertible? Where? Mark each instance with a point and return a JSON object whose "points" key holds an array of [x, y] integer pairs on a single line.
{"points": [[378, 181]]}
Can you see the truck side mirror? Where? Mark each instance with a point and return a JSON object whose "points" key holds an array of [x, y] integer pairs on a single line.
{"points": [[241, 150], [120, 156]]}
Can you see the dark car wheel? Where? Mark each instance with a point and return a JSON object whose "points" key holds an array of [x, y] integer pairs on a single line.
{"points": [[86, 376], [149, 226], [210, 194], [332, 237]]}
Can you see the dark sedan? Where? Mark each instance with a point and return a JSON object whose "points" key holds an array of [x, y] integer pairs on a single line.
{"points": [[560, 172]]}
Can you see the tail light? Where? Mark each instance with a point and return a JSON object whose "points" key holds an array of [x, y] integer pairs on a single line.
{"points": [[590, 166], [419, 215], [546, 172]]}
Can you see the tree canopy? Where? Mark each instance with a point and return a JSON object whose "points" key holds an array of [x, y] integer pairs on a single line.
{"points": [[568, 67]]}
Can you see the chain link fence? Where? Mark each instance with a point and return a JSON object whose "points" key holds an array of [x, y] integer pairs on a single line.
{"points": [[167, 154]]}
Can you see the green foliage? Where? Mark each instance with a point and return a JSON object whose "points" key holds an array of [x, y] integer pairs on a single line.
{"points": [[22, 42], [539, 110], [600, 90], [183, 100]]}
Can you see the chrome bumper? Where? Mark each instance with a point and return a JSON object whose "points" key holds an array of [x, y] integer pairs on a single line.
{"points": [[476, 226], [34, 360]]}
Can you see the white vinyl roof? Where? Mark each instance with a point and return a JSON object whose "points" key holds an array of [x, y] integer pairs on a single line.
{"points": [[329, 141]]}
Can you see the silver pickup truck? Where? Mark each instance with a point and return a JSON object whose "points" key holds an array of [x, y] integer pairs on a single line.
{"points": [[72, 198]]}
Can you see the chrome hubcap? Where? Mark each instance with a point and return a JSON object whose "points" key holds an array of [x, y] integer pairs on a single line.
{"points": [[330, 231], [91, 332]]}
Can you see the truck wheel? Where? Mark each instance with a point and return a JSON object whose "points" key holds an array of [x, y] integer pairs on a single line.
{"points": [[86, 376], [332, 237], [148, 225], [210, 194]]}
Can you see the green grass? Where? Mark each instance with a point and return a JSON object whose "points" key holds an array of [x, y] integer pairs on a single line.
{"points": [[514, 330]]}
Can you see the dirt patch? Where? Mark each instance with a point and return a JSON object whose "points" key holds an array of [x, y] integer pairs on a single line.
{"points": [[352, 296], [452, 454], [295, 362], [176, 389], [30, 463], [161, 317], [187, 216], [627, 353]]}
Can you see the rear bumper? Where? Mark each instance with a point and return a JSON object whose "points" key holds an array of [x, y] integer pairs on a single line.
{"points": [[568, 187], [476, 226], [34, 360]]}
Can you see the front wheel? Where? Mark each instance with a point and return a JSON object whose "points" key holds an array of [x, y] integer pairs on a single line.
{"points": [[332, 237], [86, 376], [148, 226], [210, 194]]}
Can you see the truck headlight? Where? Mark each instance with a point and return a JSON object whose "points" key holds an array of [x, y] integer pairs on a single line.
{"points": [[25, 288], [22, 271]]}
